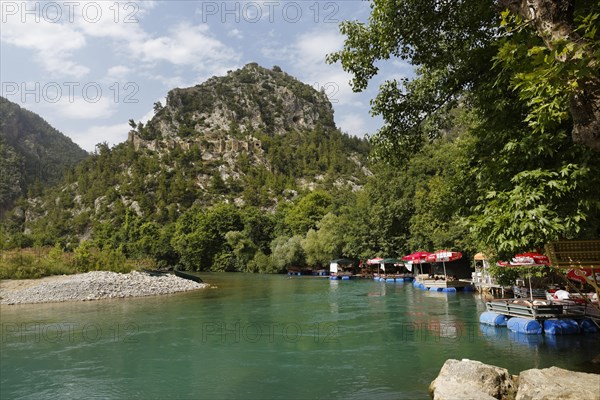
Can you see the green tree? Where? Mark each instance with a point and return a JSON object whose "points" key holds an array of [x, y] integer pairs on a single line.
{"points": [[308, 211], [242, 247], [530, 88], [263, 264], [259, 227], [324, 244], [288, 252], [200, 236]]}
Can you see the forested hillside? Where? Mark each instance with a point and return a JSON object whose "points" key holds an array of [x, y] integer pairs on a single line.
{"points": [[221, 171], [32, 153]]}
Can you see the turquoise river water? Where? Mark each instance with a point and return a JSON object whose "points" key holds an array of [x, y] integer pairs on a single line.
{"points": [[262, 337]]}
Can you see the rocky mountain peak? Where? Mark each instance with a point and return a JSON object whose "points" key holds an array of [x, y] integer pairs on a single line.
{"points": [[251, 99]]}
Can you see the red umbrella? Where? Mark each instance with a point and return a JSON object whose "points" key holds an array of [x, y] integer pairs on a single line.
{"points": [[418, 257], [581, 274], [531, 259], [443, 256], [374, 261], [527, 260]]}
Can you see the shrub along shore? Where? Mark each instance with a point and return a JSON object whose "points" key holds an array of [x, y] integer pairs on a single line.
{"points": [[32, 263]]}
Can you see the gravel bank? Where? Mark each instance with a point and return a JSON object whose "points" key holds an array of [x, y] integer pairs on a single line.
{"points": [[94, 286]]}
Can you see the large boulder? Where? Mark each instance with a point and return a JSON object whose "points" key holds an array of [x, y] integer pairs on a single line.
{"points": [[468, 379], [558, 383]]}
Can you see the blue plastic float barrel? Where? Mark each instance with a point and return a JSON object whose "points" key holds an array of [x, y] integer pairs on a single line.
{"points": [[524, 325], [586, 325], [345, 278], [554, 326], [399, 280], [333, 277], [390, 280], [468, 288], [408, 279], [449, 289], [492, 318]]}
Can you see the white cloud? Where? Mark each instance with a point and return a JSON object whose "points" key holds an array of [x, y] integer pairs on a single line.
{"points": [[52, 43], [112, 134], [315, 45], [186, 45], [168, 82], [120, 21], [353, 124], [236, 33], [307, 55], [118, 73], [80, 108]]}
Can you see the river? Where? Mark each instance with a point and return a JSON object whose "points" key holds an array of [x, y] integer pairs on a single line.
{"points": [[262, 337]]}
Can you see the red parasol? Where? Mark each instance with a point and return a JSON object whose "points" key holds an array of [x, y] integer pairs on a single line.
{"points": [[443, 256], [582, 274], [531, 259], [417, 257], [527, 260], [374, 261]]}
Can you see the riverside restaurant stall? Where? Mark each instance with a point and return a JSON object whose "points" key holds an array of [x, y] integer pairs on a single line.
{"points": [[441, 283], [392, 270], [483, 280], [342, 268], [540, 314]]}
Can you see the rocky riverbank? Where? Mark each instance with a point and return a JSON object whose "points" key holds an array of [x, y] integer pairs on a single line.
{"points": [[467, 379], [92, 286]]}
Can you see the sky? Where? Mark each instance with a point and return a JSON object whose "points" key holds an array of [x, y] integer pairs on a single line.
{"points": [[87, 67]]}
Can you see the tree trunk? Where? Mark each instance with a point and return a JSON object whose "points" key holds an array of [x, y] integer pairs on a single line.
{"points": [[553, 20]]}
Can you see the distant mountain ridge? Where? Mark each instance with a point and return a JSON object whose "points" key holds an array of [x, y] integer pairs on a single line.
{"points": [[31, 151]]}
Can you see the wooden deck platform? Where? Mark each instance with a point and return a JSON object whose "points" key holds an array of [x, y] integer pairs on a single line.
{"points": [[555, 309], [524, 309]]}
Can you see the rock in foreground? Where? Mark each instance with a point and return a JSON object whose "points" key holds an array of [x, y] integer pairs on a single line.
{"points": [[99, 285], [558, 383], [469, 379]]}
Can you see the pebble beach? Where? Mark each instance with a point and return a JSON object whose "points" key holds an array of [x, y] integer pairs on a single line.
{"points": [[94, 285]]}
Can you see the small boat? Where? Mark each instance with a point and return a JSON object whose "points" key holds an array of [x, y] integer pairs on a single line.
{"points": [[185, 275], [154, 272]]}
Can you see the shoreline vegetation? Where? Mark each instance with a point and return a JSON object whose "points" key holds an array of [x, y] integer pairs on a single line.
{"points": [[39, 262], [50, 274], [94, 285]]}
